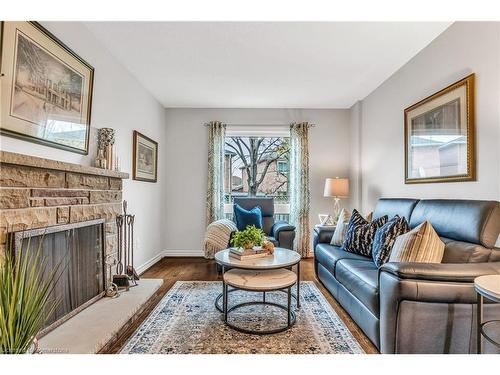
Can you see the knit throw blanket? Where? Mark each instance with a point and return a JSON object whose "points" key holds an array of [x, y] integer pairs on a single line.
{"points": [[217, 236]]}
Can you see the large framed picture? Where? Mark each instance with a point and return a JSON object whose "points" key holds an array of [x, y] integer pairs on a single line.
{"points": [[145, 158], [46, 88], [439, 136]]}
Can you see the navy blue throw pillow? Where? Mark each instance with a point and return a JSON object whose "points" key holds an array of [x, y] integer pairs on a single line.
{"points": [[360, 233], [385, 238], [244, 218]]}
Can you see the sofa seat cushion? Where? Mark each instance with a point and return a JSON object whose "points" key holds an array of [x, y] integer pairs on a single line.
{"points": [[360, 277], [328, 256]]}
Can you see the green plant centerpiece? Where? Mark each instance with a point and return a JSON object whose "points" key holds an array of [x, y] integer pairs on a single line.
{"points": [[248, 238]]}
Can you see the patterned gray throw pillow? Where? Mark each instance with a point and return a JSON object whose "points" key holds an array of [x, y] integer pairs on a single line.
{"points": [[360, 234], [385, 238]]}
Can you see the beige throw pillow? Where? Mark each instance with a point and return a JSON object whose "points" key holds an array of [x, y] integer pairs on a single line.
{"points": [[422, 245], [341, 228]]}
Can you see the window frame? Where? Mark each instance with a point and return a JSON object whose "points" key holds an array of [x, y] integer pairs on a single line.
{"points": [[268, 131]]}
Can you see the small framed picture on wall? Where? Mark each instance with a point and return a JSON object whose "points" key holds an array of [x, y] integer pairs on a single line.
{"points": [[326, 219], [145, 155]]}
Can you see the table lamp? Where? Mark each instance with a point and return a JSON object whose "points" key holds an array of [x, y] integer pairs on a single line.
{"points": [[336, 188]]}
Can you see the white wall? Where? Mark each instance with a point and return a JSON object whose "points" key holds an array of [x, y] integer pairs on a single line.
{"points": [[464, 48], [355, 179], [119, 102], [186, 163]]}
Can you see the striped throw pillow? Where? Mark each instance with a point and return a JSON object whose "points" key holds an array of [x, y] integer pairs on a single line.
{"points": [[360, 233], [341, 228], [422, 245]]}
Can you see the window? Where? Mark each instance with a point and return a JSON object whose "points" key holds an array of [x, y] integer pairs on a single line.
{"points": [[257, 165], [283, 166]]}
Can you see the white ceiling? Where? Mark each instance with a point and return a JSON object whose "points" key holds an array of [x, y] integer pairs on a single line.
{"points": [[263, 64]]}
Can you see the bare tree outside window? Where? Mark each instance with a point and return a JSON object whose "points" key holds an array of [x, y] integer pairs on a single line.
{"points": [[257, 166]]}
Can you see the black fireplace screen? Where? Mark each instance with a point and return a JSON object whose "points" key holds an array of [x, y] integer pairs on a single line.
{"points": [[79, 248]]}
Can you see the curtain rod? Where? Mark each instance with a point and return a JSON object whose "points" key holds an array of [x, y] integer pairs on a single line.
{"points": [[208, 124]]}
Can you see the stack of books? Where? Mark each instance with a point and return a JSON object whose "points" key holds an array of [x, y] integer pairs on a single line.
{"points": [[244, 254]]}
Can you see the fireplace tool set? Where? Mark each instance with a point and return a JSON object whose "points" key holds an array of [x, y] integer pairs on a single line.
{"points": [[126, 275], [111, 288]]}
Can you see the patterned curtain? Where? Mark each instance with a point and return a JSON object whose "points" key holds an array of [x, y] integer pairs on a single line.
{"points": [[215, 186], [299, 187]]}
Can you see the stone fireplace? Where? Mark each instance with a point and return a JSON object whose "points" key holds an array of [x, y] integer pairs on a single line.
{"points": [[62, 199], [55, 197]]}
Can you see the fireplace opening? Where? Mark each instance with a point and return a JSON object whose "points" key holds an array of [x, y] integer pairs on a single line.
{"points": [[79, 248]]}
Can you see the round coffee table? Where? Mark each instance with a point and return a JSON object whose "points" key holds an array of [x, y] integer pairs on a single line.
{"points": [[486, 287], [259, 281], [281, 258]]}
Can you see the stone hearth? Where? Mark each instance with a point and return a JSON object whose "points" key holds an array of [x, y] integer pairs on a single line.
{"points": [[104, 322]]}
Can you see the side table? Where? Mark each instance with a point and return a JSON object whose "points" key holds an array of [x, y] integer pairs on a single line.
{"points": [[486, 287], [259, 281]]}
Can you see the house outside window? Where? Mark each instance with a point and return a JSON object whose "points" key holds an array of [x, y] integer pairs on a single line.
{"points": [[282, 166]]}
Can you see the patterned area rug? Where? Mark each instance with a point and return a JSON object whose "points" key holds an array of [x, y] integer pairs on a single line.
{"points": [[186, 321]]}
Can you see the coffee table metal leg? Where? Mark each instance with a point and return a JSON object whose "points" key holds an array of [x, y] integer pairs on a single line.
{"points": [[298, 285], [264, 297], [479, 322], [223, 270], [224, 301], [289, 311]]}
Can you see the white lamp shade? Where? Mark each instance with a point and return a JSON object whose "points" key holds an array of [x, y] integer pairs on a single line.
{"points": [[336, 187]]}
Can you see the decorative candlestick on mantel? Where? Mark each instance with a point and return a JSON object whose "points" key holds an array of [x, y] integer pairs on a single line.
{"points": [[105, 143]]}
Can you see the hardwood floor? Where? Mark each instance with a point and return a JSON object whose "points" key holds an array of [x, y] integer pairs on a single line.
{"points": [[190, 269]]}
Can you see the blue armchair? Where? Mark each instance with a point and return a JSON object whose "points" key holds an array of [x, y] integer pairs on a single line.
{"points": [[279, 232]]}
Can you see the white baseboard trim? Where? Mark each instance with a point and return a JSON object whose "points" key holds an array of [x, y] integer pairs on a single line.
{"points": [[168, 253], [143, 267], [183, 253]]}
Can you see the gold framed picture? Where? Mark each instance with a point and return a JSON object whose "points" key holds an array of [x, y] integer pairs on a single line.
{"points": [[145, 158], [46, 88], [439, 136]]}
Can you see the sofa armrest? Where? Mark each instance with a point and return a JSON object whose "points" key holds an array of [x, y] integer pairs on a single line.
{"points": [[280, 226], [323, 233], [284, 233], [434, 290], [450, 272]]}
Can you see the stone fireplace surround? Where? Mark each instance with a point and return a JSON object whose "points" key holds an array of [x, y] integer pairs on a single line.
{"points": [[37, 193]]}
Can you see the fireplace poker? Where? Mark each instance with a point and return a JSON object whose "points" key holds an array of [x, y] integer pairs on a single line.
{"points": [[130, 266], [120, 280], [125, 267], [119, 225]]}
